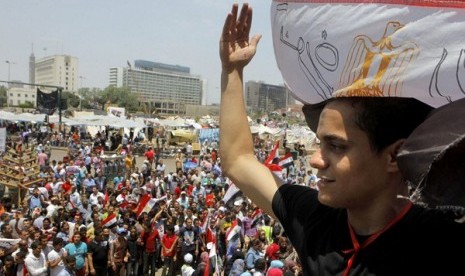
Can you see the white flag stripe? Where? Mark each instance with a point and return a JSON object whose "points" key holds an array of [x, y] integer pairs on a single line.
{"points": [[330, 48]]}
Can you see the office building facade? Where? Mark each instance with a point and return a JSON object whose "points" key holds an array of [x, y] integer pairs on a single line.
{"points": [[164, 89], [262, 97], [21, 95], [58, 70]]}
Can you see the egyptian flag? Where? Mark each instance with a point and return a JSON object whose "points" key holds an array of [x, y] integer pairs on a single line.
{"points": [[110, 220], [286, 161], [276, 169], [210, 236], [146, 204], [232, 192], [205, 221], [233, 231], [273, 154], [257, 215]]}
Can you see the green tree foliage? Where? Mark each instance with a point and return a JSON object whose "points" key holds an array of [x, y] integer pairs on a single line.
{"points": [[73, 99], [120, 96], [3, 96], [27, 104], [91, 98]]}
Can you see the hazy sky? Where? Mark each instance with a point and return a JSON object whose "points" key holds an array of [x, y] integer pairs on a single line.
{"points": [[104, 34]]}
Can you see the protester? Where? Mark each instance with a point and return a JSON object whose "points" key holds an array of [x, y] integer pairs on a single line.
{"points": [[361, 220]]}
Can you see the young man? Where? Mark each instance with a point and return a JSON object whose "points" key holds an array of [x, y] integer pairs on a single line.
{"points": [[360, 222], [35, 261], [78, 250], [56, 256]]}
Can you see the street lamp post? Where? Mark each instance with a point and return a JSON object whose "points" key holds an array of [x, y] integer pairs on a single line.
{"points": [[79, 93]]}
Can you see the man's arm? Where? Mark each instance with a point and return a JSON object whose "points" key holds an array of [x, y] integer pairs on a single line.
{"points": [[236, 145], [55, 262], [90, 262]]}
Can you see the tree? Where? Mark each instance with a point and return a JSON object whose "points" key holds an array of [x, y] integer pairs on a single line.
{"points": [[91, 97], [27, 104], [73, 99], [120, 96], [3, 96]]}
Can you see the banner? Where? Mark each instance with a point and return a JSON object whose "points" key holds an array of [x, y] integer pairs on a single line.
{"points": [[7, 243], [116, 111], [397, 48], [47, 102]]}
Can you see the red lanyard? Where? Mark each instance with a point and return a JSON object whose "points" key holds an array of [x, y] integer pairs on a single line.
{"points": [[372, 238]]}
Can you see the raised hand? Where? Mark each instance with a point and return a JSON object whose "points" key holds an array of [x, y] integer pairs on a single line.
{"points": [[236, 51]]}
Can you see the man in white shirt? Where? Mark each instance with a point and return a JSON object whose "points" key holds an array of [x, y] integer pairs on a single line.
{"points": [[54, 202], [35, 261], [161, 168], [55, 257], [75, 197], [93, 198]]}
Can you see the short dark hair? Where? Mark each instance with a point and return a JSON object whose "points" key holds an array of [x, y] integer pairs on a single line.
{"points": [[57, 241], [384, 119], [260, 264], [35, 244], [69, 259]]}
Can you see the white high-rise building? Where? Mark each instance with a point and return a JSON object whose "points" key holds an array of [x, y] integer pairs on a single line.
{"points": [[164, 88], [58, 70]]}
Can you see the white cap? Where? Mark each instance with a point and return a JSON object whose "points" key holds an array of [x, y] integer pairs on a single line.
{"points": [[188, 258]]}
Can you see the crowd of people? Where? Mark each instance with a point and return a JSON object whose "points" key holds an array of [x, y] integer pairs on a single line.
{"points": [[94, 216]]}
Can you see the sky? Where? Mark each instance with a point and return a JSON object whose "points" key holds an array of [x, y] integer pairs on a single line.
{"points": [[108, 33]]}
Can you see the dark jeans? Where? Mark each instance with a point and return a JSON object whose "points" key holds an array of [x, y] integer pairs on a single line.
{"points": [[150, 263], [132, 268], [168, 264], [101, 271]]}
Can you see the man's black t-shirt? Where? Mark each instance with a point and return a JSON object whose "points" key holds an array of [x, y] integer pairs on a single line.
{"points": [[99, 253], [423, 242]]}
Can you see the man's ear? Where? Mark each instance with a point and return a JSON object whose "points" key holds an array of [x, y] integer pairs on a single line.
{"points": [[391, 153]]}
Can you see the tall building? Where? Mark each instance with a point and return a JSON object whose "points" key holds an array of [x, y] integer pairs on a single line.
{"points": [[264, 97], [163, 88], [58, 70], [32, 67]]}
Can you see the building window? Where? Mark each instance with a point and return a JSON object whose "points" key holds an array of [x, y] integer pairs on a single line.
{"points": [[25, 95], [19, 95], [11, 94], [33, 95]]}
